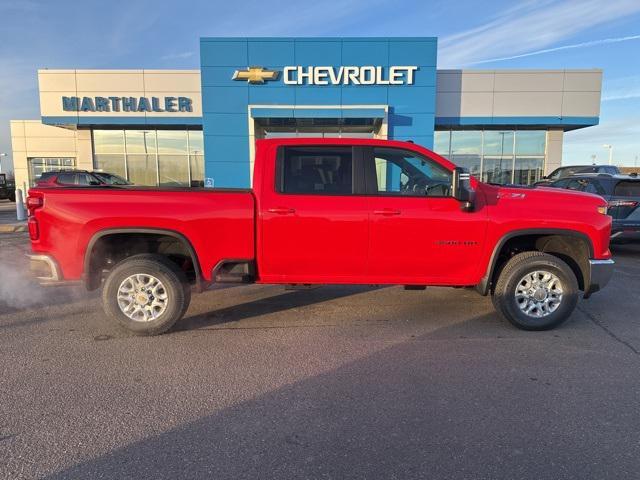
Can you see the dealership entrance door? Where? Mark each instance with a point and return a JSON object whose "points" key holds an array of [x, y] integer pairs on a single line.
{"points": [[346, 121], [317, 127]]}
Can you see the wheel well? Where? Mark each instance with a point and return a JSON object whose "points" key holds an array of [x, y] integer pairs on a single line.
{"points": [[573, 250], [109, 249]]}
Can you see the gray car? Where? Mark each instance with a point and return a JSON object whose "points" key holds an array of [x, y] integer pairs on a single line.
{"points": [[569, 170], [622, 192]]}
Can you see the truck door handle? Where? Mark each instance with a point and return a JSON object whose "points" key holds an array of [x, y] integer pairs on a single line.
{"points": [[282, 210], [386, 211]]}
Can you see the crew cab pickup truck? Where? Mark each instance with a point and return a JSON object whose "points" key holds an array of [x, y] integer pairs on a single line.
{"points": [[325, 211]]}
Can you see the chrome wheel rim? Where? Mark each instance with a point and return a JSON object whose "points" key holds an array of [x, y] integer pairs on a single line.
{"points": [[142, 297], [539, 293]]}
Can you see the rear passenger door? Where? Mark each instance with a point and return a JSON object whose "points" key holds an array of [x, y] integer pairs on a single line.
{"points": [[314, 227]]}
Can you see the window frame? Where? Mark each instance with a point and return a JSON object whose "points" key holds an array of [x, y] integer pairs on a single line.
{"points": [[371, 178], [357, 174]]}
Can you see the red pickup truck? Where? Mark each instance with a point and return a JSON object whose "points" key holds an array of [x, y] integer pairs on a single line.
{"points": [[325, 211]]}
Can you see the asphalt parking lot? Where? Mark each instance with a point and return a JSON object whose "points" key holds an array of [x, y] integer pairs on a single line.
{"points": [[335, 382]]}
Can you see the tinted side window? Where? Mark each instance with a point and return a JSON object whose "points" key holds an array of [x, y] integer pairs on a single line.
{"points": [[593, 186], [627, 189], [555, 174], [575, 184], [67, 178], [84, 179], [403, 172], [315, 170], [46, 175]]}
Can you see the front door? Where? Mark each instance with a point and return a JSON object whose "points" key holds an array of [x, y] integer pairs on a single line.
{"points": [[418, 233], [314, 229]]}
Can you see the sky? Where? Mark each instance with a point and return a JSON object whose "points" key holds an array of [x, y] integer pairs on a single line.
{"points": [[164, 34]]}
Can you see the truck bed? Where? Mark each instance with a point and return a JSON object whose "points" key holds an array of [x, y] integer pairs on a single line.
{"points": [[213, 220]]}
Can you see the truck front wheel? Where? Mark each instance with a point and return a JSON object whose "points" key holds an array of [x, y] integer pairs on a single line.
{"points": [[146, 294], [535, 291]]}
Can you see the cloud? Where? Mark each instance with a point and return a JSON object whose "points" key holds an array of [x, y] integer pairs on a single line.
{"points": [[622, 88], [603, 41], [177, 56], [305, 18], [620, 132], [528, 27]]}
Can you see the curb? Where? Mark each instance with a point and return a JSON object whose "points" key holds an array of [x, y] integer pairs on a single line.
{"points": [[13, 228]]}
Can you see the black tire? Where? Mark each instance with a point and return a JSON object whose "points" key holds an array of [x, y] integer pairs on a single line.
{"points": [[504, 294], [12, 197], [175, 285]]}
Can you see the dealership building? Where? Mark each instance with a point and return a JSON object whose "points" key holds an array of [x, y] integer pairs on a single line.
{"points": [[197, 127]]}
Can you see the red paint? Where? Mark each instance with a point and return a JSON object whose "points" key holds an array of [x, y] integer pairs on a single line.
{"points": [[318, 238]]}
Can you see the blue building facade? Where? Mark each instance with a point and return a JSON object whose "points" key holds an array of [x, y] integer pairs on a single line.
{"points": [[257, 87]]}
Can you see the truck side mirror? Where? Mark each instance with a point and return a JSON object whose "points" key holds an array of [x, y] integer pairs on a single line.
{"points": [[461, 188]]}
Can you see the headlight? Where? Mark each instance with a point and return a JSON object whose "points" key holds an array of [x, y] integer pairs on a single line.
{"points": [[602, 210]]}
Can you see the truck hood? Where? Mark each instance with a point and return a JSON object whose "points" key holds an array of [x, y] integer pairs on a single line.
{"points": [[557, 198]]}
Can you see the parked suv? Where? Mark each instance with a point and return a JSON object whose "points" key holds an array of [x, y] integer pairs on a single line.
{"points": [[79, 177], [570, 170], [7, 188], [622, 193]]}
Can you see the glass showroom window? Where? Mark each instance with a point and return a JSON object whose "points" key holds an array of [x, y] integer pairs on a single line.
{"points": [[497, 161], [151, 157], [108, 151], [40, 165], [496, 156], [196, 158], [530, 149], [466, 150], [442, 142]]}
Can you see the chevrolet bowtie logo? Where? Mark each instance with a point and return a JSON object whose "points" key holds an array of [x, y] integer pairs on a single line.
{"points": [[255, 75]]}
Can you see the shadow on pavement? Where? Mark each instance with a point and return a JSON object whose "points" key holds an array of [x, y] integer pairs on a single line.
{"points": [[625, 250], [489, 412], [285, 300]]}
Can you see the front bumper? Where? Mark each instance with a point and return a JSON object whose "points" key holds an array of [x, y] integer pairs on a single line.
{"points": [[598, 276]]}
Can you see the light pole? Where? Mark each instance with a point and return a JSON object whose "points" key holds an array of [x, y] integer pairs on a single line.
{"points": [[2, 155], [610, 147]]}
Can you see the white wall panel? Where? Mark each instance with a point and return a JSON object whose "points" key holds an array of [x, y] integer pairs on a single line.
{"points": [[172, 81], [535, 104], [529, 82], [97, 82], [56, 81], [581, 104], [476, 104], [583, 81]]}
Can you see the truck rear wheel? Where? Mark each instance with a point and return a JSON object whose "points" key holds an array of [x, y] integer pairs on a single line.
{"points": [[146, 294], [535, 291]]}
